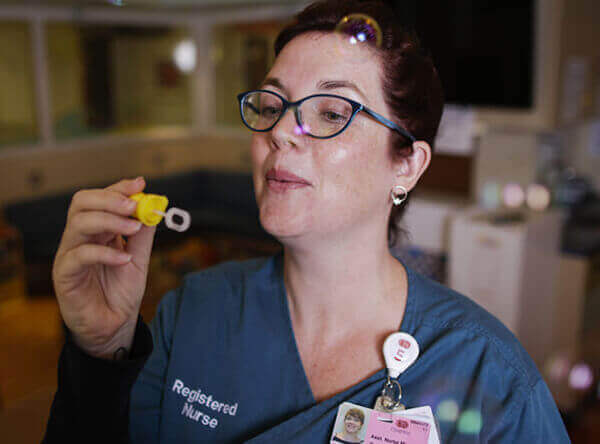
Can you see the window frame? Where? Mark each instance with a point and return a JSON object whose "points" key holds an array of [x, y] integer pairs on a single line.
{"points": [[200, 24]]}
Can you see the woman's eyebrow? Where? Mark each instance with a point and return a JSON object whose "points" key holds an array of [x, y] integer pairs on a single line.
{"points": [[274, 81], [334, 84], [323, 84]]}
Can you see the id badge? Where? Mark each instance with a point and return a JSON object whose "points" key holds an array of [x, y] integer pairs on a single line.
{"points": [[357, 424], [389, 421]]}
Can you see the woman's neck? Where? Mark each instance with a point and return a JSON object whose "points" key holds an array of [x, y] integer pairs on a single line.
{"points": [[338, 286]]}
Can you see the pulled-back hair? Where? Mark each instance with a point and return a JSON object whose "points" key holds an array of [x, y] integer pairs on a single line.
{"points": [[411, 86]]}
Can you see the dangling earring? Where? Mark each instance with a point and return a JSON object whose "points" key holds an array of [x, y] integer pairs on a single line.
{"points": [[398, 200]]}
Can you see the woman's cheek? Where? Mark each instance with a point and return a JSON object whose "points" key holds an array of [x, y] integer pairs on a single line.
{"points": [[339, 156], [358, 172], [341, 172], [258, 155], [346, 184]]}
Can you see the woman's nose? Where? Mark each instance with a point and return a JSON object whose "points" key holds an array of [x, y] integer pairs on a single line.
{"points": [[286, 132]]}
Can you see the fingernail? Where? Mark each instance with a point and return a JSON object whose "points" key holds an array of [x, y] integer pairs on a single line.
{"points": [[129, 203], [136, 225], [139, 179], [125, 257]]}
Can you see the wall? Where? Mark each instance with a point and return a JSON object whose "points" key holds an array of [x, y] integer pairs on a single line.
{"points": [[584, 150], [581, 40], [505, 156], [44, 172], [233, 61], [140, 100], [65, 71], [17, 113]]}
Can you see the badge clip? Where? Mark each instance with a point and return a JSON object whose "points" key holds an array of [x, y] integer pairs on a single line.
{"points": [[400, 351], [389, 400]]}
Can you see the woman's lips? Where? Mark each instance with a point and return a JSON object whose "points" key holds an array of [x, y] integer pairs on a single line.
{"points": [[279, 186], [282, 180]]}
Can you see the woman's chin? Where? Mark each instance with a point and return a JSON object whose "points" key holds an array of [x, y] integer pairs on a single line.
{"points": [[279, 230], [282, 227]]}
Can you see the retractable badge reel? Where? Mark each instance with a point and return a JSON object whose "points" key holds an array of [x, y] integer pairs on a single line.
{"points": [[400, 351], [151, 209]]}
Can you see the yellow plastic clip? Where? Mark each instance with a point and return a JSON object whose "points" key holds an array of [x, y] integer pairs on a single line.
{"points": [[147, 204]]}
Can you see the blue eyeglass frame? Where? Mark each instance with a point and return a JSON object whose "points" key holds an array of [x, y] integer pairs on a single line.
{"points": [[356, 108]]}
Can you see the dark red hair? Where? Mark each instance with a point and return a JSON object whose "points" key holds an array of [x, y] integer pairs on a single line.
{"points": [[411, 86]]}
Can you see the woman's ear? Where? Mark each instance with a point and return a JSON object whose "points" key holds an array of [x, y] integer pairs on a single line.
{"points": [[409, 169]]}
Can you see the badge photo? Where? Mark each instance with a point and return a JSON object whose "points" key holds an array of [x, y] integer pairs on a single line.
{"points": [[351, 424]]}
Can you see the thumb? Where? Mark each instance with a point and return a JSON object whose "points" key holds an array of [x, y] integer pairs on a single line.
{"points": [[140, 246]]}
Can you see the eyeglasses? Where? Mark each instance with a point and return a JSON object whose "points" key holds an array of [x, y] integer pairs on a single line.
{"points": [[321, 116]]}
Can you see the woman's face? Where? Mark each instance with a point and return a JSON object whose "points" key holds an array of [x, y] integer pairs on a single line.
{"points": [[352, 424], [350, 176]]}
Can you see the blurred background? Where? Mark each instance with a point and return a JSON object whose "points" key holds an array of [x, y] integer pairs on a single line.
{"points": [[508, 212]]}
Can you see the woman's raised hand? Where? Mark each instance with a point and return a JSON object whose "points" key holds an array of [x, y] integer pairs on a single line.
{"points": [[100, 279]]}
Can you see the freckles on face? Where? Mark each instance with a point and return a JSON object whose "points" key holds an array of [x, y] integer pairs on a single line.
{"points": [[354, 172], [338, 156]]}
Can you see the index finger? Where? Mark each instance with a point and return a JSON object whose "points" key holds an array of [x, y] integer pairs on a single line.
{"points": [[128, 187], [101, 200], [113, 198]]}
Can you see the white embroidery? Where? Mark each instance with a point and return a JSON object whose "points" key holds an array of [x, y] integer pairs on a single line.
{"points": [[197, 396]]}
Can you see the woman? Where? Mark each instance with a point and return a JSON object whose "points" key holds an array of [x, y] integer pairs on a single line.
{"points": [[354, 419], [266, 350]]}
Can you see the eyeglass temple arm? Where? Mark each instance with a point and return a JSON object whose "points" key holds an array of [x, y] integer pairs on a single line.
{"points": [[390, 124], [252, 107], [257, 111]]}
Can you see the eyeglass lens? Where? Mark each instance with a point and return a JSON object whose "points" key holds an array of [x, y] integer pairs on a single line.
{"points": [[320, 116]]}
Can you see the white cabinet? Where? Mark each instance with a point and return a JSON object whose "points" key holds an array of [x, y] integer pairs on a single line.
{"points": [[426, 220], [508, 262]]}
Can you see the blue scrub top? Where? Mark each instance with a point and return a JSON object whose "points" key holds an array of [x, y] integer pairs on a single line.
{"points": [[226, 368]]}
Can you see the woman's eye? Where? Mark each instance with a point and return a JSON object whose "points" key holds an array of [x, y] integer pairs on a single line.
{"points": [[332, 116], [270, 111]]}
